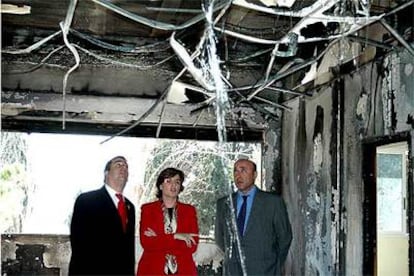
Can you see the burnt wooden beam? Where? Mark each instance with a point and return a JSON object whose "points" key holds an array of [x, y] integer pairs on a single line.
{"points": [[34, 111], [143, 131]]}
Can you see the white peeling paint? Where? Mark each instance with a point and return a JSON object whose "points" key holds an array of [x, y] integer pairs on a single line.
{"points": [[317, 198], [408, 69], [269, 3], [317, 154], [176, 94], [14, 109], [362, 106], [311, 74], [285, 3], [278, 3], [335, 222], [15, 9]]}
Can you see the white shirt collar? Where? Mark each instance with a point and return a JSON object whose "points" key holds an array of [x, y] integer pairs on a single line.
{"points": [[112, 194]]}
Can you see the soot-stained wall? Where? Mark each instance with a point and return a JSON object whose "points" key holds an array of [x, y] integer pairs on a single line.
{"points": [[321, 156]]}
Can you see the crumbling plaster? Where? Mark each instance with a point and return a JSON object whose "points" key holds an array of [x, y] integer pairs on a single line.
{"points": [[321, 158], [307, 187]]}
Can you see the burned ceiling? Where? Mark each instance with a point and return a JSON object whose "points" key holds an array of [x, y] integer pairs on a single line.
{"points": [[151, 67]]}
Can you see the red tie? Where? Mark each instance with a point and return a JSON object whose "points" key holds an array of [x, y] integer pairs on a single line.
{"points": [[122, 211]]}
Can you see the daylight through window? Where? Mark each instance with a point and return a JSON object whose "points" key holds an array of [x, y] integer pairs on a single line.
{"points": [[42, 174]]}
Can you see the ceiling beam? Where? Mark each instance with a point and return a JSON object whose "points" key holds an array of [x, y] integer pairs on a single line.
{"points": [[28, 111]]}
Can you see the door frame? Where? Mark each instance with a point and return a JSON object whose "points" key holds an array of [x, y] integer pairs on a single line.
{"points": [[369, 222]]}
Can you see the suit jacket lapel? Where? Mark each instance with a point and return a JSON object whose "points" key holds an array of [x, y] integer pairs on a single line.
{"points": [[234, 199], [255, 211], [228, 207], [109, 202]]}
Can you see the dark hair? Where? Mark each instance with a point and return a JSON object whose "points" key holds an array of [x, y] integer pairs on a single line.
{"points": [[167, 173], [109, 163]]}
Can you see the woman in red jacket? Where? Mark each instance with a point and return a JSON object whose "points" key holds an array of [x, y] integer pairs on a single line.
{"points": [[168, 230]]}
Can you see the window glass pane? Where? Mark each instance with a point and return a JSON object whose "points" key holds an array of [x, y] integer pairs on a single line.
{"points": [[390, 192], [390, 165]]}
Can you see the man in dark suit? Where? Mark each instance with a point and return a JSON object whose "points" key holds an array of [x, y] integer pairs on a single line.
{"points": [[262, 230], [102, 231]]}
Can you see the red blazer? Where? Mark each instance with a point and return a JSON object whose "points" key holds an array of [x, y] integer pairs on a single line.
{"points": [[155, 248]]}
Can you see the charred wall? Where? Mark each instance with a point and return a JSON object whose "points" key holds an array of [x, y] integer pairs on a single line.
{"points": [[321, 156]]}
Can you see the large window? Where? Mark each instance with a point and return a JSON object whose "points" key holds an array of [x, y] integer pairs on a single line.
{"points": [[42, 174]]}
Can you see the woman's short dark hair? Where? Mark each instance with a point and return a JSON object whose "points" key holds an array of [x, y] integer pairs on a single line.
{"points": [[168, 173]]}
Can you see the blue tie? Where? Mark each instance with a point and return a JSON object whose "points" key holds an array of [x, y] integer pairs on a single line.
{"points": [[242, 216]]}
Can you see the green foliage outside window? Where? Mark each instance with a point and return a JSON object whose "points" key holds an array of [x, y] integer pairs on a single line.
{"points": [[206, 178]]}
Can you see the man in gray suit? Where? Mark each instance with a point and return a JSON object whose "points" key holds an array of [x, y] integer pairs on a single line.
{"points": [[263, 229]]}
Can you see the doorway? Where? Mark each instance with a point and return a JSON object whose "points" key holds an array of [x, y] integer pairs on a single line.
{"points": [[386, 205], [391, 192]]}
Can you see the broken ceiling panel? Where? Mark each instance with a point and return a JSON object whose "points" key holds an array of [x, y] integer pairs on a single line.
{"points": [[268, 51]]}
